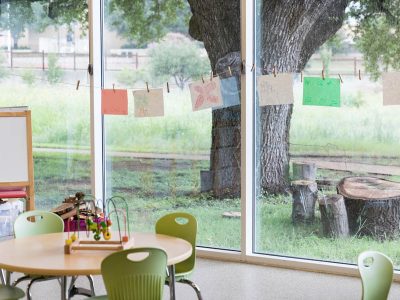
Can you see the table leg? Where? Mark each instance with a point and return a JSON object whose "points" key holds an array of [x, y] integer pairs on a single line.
{"points": [[8, 277], [2, 278], [64, 289], [171, 271]]}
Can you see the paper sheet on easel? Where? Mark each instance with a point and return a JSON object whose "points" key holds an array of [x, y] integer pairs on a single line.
{"points": [[206, 95], [149, 103], [114, 102], [275, 90], [391, 88]]}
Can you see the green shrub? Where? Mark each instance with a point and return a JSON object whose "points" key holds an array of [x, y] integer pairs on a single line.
{"points": [[28, 77], [353, 100], [179, 58], [55, 73], [129, 77]]}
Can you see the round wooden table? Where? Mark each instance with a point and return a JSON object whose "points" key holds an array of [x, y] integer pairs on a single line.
{"points": [[44, 255]]}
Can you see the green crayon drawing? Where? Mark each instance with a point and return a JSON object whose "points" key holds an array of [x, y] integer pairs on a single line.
{"points": [[321, 92]]}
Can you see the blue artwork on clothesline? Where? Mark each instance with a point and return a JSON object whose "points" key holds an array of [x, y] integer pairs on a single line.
{"points": [[230, 92]]}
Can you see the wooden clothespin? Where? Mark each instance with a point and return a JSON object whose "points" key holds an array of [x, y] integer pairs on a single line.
{"points": [[167, 87], [211, 75], [147, 86], [230, 71], [253, 67], [340, 77], [243, 66], [359, 74], [77, 84], [114, 87], [274, 71], [323, 74], [301, 76]]}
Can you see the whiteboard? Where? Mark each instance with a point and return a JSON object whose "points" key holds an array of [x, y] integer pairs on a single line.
{"points": [[14, 165]]}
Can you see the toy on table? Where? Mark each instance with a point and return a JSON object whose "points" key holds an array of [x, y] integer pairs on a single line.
{"points": [[101, 227]]}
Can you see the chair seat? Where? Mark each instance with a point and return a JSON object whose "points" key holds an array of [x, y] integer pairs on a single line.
{"points": [[11, 293], [6, 194]]}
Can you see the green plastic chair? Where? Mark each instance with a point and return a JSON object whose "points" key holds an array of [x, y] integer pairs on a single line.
{"points": [[376, 270], [36, 222], [134, 274], [11, 293], [31, 223], [184, 226]]}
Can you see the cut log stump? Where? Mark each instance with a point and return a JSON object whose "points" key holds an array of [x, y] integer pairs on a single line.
{"points": [[304, 194], [333, 216], [304, 171], [373, 206]]}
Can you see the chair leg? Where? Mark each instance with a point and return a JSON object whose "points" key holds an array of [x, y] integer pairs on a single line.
{"points": [[19, 280], [91, 283], [74, 290], [194, 286], [28, 289]]}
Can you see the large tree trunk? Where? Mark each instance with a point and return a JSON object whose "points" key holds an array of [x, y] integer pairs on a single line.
{"points": [[289, 33]]}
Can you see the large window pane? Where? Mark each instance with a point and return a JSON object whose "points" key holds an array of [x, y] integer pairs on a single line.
{"points": [[178, 159], [338, 48], [44, 52]]}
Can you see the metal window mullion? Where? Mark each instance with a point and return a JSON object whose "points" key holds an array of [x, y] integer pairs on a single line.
{"points": [[247, 128], [96, 81]]}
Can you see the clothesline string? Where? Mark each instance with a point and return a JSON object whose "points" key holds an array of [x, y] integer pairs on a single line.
{"points": [[230, 71]]}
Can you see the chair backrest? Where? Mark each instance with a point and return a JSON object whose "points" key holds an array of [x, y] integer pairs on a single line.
{"points": [[184, 226], [37, 222], [135, 274], [376, 270]]}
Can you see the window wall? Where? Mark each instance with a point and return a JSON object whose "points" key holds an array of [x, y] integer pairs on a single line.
{"points": [[177, 148], [43, 55], [299, 108], [323, 127]]}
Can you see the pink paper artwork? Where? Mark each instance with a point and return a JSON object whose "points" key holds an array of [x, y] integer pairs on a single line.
{"points": [[206, 95]]}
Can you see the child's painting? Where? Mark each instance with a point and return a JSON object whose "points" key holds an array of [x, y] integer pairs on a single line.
{"points": [[230, 91], [114, 102], [321, 92], [275, 90], [206, 94], [391, 88], [149, 103]]}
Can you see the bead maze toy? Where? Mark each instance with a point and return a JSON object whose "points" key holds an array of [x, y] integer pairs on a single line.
{"points": [[101, 227]]}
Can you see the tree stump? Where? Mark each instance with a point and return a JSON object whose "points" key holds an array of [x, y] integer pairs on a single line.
{"points": [[304, 171], [333, 216], [373, 206], [304, 194]]}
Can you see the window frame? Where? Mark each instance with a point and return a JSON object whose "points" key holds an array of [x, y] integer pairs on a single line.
{"points": [[247, 252]]}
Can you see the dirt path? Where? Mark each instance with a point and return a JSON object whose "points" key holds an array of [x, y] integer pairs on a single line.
{"points": [[351, 167], [321, 162], [130, 154]]}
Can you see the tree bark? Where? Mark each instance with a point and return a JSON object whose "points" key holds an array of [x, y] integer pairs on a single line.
{"points": [[304, 194], [289, 33], [333, 216], [373, 206]]}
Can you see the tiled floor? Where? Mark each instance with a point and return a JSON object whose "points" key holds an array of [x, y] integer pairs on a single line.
{"points": [[234, 281]]}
